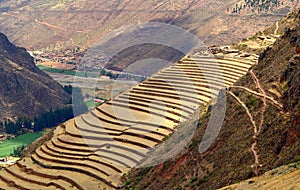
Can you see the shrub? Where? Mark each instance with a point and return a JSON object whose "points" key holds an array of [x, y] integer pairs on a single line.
{"points": [[252, 102], [201, 181], [192, 180], [128, 182], [250, 174], [237, 93]]}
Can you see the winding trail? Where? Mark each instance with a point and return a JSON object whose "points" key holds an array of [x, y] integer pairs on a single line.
{"points": [[256, 162], [271, 99], [276, 29], [51, 26], [262, 118], [257, 129], [246, 109], [254, 145], [264, 99]]}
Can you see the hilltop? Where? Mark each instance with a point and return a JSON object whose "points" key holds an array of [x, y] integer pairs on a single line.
{"points": [[25, 90]]}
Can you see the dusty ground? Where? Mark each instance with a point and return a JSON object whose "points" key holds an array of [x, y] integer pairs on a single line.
{"points": [[285, 177]]}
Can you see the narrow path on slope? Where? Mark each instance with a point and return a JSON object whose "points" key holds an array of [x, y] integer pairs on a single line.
{"points": [[51, 26], [253, 146], [264, 99], [276, 29], [271, 99]]}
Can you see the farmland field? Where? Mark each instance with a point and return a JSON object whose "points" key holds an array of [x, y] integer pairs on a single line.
{"points": [[67, 72], [8, 146], [91, 104]]}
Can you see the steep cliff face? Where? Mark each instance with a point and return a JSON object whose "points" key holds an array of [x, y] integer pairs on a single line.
{"points": [[270, 93], [24, 89]]}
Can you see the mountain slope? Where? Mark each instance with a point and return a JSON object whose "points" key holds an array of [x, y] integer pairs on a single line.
{"points": [[260, 131], [25, 90], [96, 149], [64, 24]]}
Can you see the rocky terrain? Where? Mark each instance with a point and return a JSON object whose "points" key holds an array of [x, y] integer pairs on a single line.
{"points": [[25, 90]]}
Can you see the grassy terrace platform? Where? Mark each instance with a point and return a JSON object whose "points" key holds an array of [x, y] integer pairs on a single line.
{"points": [[94, 150]]}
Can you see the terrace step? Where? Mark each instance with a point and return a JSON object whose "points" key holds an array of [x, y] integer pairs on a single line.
{"points": [[30, 174], [57, 174], [204, 73], [175, 95], [18, 183], [226, 61], [38, 181], [110, 169], [136, 118], [197, 88], [93, 156], [47, 161], [199, 80], [3, 184], [154, 112], [115, 148], [192, 91], [153, 100], [216, 63], [204, 68], [82, 124], [99, 133], [215, 80]]}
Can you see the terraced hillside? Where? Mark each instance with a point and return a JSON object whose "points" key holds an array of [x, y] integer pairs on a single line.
{"points": [[95, 149], [260, 131]]}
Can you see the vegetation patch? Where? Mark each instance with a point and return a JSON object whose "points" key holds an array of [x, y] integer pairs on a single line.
{"points": [[10, 147], [91, 104], [67, 72]]}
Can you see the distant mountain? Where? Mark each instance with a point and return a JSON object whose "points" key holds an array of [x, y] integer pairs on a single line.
{"points": [[24, 89], [62, 24]]}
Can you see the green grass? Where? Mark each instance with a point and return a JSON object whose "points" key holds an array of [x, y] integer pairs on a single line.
{"points": [[67, 72], [91, 104], [8, 146]]}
